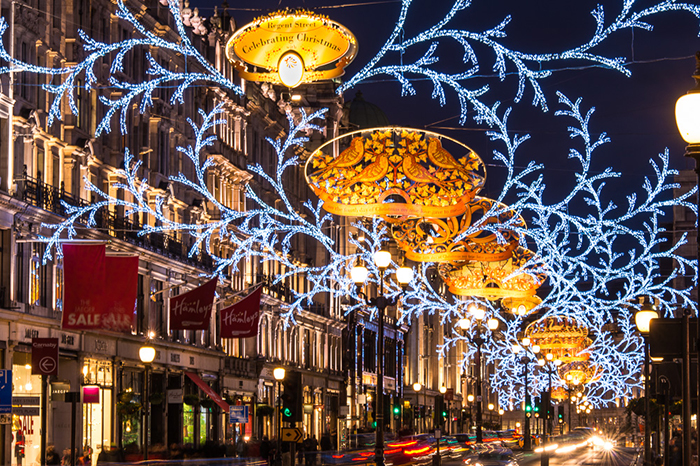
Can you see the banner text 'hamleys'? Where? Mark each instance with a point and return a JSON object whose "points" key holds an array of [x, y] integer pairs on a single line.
{"points": [[100, 291], [192, 310], [241, 319]]}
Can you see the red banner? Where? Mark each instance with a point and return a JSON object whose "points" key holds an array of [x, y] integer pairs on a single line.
{"points": [[241, 319], [84, 273], [192, 310], [120, 293]]}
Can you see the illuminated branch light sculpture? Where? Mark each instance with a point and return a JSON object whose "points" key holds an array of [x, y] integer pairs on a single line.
{"points": [[97, 51], [597, 256], [530, 68]]}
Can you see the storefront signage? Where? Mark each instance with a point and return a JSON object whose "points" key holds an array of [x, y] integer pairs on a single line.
{"points": [[292, 46], [70, 341], [91, 394], [25, 333], [100, 345], [45, 356], [5, 391], [175, 396]]}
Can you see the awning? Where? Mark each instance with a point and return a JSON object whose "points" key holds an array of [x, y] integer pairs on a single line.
{"points": [[208, 390]]}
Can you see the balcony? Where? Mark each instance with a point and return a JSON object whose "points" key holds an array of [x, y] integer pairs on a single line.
{"points": [[39, 194]]}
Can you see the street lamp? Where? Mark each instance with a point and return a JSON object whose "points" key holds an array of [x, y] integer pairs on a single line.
{"points": [[404, 275], [478, 314], [571, 382], [526, 360], [279, 373], [147, 354], [642, 320], [687, 120], [550, 365]]}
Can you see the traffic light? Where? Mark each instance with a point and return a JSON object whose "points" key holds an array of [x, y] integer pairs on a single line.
{"points": [[536, 407], [440, 410], [416, 412], [546, 408], [292, 397], [560, 414], [397, 412]]}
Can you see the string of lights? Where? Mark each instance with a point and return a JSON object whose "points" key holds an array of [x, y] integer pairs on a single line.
{"points": [[596, 258]]}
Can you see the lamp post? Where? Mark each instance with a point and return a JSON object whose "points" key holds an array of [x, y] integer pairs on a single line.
{"points": [[404, 275], [470, 399], [571, 382], [147, 354], [478, 314], [417, 387], [688, 122], [526, 360], [641, 320], [550, 365], [445, 406], [279, 373]]}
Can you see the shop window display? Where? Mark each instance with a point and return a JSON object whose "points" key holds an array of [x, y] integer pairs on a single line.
{"points": [[26, 441]]}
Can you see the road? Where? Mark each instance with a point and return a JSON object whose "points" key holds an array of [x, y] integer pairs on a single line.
{"points": [[581, 457]]}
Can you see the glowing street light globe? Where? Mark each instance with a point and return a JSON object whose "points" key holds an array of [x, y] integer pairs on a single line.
{"points": [[688, 117], [470, 398], [359, 274], [477, 312], [147, 354], [443, 389], [492, 323], [382, 259], [404, 275], [279, 373], [643, 318], [417, 387], [463, 324]]}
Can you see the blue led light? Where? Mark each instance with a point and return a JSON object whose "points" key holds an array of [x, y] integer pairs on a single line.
{"points": [[597, 246]]}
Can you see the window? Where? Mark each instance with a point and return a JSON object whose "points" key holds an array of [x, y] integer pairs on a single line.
{"points": [[37, 277], [58, 298]]}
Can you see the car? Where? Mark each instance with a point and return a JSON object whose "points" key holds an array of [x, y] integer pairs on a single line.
{"points": [[496, 457]]}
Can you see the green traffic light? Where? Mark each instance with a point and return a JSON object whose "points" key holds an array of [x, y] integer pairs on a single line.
{"points": [[528, 408], [287, 412], [537, 409], [397, 410], [444, 414]]}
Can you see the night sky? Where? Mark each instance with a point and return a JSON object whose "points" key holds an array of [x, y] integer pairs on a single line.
{"points": [[636, 112]]}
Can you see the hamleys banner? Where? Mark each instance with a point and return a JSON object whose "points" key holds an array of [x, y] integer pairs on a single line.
{"points": [[241, 319], [192, 310]]}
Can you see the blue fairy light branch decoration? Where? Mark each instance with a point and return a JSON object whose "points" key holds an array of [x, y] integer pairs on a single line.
{"points": [[530, 68], [97, 51]]}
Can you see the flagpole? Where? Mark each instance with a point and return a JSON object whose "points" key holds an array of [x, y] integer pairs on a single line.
{"points": [[238, 293]]}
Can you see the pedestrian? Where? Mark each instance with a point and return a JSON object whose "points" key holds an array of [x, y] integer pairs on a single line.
{"points": [[326, 444], [51, 455], [313, 450], [265, 448]]}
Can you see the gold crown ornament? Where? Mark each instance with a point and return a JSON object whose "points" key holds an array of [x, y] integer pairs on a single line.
{"points": [[396, 173], [444, 239]]}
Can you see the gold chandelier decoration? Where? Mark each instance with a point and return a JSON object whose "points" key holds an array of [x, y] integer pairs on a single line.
{"points": [[434, 239], [516, 277], [562, 336], [396, 173]]}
